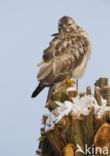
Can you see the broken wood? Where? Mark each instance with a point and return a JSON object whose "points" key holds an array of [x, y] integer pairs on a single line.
{"points": [[102, 138], [101, 82], [98, 96], [88, 91], [74, 129], [105, 92], [71, 92]]}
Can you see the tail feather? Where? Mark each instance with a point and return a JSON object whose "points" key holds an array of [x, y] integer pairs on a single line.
{"points": [[38, 90]]}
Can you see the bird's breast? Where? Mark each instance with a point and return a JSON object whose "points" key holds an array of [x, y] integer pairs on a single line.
{"points": [[79, 70]]}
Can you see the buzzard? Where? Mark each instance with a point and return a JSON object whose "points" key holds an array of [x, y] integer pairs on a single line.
{"points": [[66, 56]]}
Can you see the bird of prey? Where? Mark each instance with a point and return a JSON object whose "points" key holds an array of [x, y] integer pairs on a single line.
{"points": [[66, 56]]}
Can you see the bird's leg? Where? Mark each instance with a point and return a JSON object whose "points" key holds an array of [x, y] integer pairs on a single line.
{"points": [[77, 85], [69, 82]]}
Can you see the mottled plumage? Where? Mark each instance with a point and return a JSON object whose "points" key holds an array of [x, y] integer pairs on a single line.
{"points": [[66, 56]]}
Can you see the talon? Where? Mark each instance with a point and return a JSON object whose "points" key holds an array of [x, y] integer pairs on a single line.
{"points": [[69, 82]]}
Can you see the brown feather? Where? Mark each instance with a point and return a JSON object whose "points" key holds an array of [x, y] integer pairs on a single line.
{"points": [[67, 55], [45, 70]]}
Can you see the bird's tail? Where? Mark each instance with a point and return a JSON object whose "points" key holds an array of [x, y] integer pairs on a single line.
{"points": [[39, 88]]}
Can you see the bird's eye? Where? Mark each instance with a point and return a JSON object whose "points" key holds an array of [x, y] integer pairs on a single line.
{"points": [[60, 25], [69, 24]]}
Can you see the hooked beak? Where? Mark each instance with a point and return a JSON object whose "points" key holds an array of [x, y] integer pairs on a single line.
{"points": [[65, 26]]}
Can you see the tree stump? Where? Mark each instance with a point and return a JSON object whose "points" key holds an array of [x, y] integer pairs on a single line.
{"points": [[77, 125]]}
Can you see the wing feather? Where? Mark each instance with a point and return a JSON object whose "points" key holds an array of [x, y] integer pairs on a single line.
{"points": [[71, 57], [63, 55], [45, 70], [63, 64]]}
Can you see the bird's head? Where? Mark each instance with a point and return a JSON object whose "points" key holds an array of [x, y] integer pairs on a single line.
{"points": [[66, 24]]}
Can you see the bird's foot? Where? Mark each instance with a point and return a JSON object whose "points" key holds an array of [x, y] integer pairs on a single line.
{"points": [[69, 82]]}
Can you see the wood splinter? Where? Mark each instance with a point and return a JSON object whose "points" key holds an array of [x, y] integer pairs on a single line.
{"points": [[98, 96], [88, 91], [105, 92]]}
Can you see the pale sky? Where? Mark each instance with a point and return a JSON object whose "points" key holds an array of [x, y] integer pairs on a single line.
{"points": [[25, 29]]}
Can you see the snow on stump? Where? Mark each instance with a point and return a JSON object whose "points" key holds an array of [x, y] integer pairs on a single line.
{"points": [[76, 121]]}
